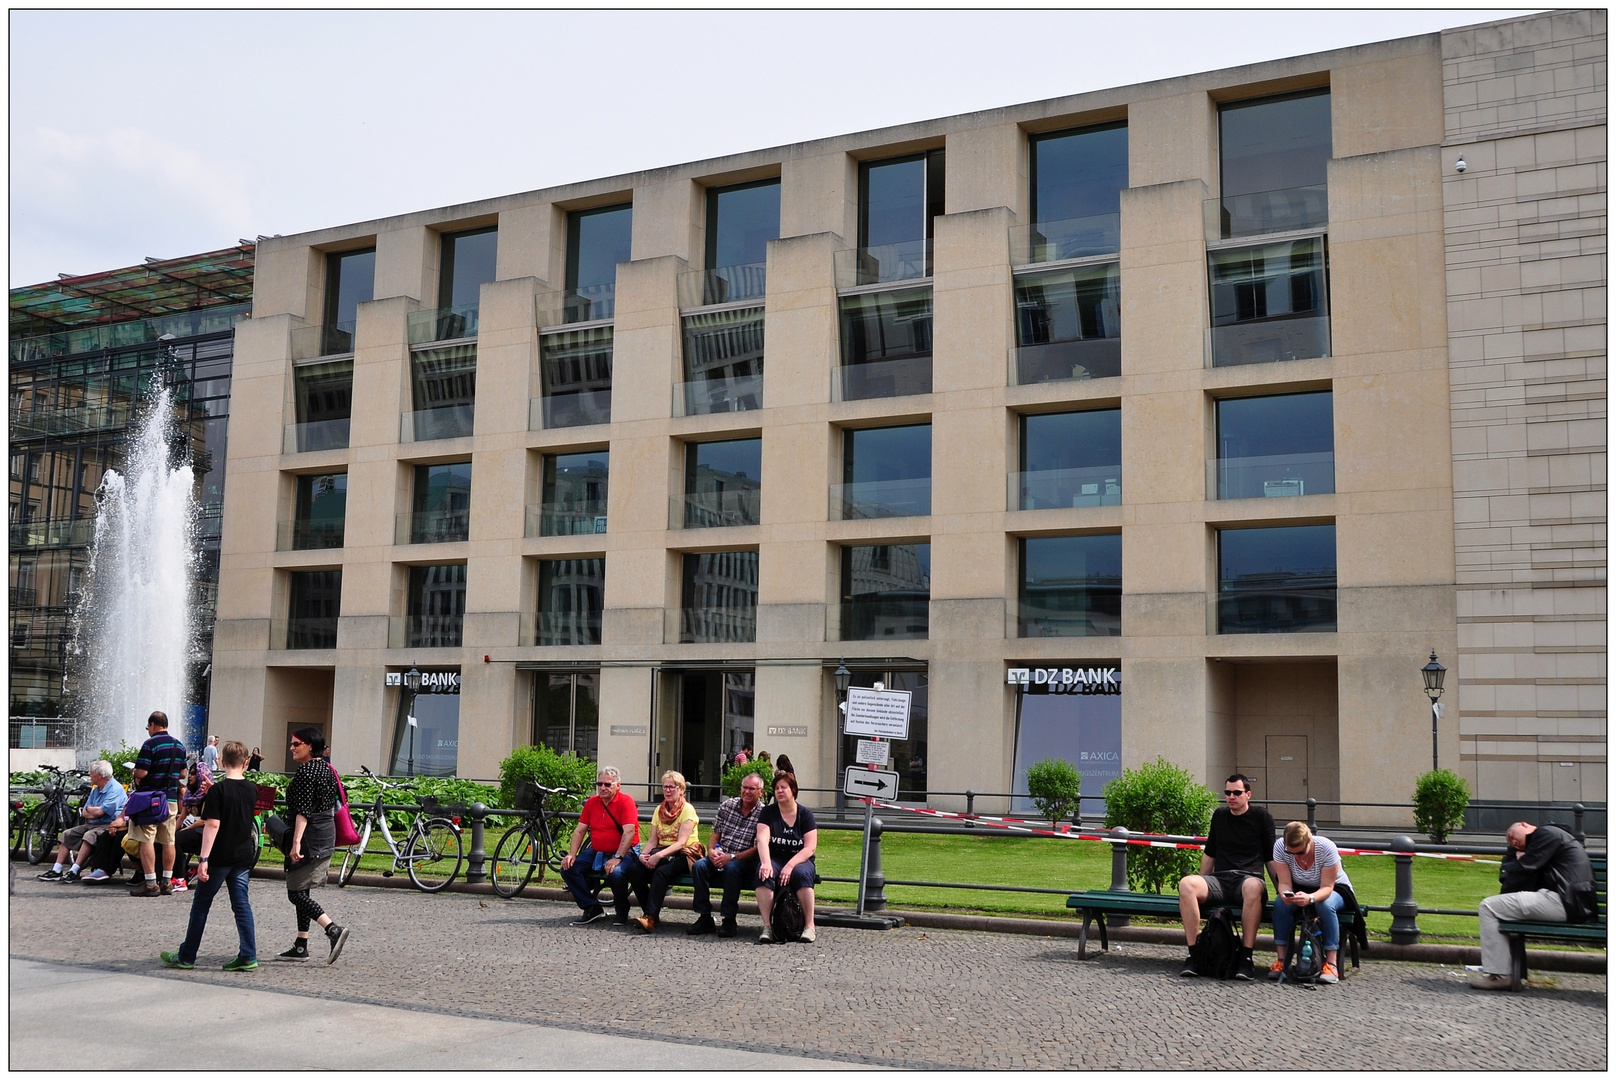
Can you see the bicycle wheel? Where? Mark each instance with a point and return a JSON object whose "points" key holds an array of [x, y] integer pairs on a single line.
{"points": [[42, 833], [434, 855], [33, 843], [515, 858], [351, 857]]}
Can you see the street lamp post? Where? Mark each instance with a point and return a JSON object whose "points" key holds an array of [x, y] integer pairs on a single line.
{"points": [[1433, 673], [412, 683]]}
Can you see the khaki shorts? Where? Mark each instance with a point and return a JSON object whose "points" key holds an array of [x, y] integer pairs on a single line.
{"points": [[161, 833]]}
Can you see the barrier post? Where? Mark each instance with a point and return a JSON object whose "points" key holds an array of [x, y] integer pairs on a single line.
{"points": [[1405, 928], [876, 895], [477, 859], [1312, 814], [1576, 824], [970, 807], [1119, 873]]}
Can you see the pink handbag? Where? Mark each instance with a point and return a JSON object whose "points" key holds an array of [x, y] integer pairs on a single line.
{"points": [[347, 835]]}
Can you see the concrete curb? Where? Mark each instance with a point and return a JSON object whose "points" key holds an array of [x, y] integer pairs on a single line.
{"points": [[1456, 955]]}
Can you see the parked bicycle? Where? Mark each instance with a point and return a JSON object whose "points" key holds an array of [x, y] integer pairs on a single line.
{"points": [[432, 852], [526, 847], [55, 814]]}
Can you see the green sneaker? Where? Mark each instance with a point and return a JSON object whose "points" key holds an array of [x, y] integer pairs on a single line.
{"points": [[238, 964], [172, 959]]}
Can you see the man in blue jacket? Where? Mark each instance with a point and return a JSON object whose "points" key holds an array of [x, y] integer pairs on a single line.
{"points": [[104, 804]]}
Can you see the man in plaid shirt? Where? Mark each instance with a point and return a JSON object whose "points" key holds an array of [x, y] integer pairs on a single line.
{"points": [[733, 858]]}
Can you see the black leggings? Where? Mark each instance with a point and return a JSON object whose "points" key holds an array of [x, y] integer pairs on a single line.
{"points": [[307, 909]]}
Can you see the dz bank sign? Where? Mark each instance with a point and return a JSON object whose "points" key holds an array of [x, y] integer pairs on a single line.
{"points": [[1066, 680]]}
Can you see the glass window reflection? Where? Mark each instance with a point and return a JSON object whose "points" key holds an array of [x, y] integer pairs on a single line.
{"points": [[1277, 580], [1071, 459], [1276, 446], [886, 472], [1071, 586], [741, 221], [886, 591], [1078, 177], [571, 599], [467, 265]]}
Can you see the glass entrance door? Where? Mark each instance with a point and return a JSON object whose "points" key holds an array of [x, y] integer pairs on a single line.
{"points": [[715, 720]]}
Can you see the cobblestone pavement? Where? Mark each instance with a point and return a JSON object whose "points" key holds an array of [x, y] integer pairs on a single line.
{"points": [[907, 997]]}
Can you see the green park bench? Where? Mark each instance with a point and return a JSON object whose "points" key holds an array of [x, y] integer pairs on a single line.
{"points": [[1588, 933]]}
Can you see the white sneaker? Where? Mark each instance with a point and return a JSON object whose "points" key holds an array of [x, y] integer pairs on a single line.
{"points": [[808, 933]]}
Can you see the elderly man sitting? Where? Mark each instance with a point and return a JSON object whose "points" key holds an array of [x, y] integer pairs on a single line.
{"points": [[105, 803]]}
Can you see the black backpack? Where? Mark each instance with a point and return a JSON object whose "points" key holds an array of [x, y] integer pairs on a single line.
{"points": [[1305, 961], [1216, 952], [786, 920]]}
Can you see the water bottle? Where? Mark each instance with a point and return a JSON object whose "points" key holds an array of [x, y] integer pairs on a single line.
{"points": [[1307, 950]]}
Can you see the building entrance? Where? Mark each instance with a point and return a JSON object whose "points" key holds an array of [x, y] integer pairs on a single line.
{"points": [[713, 720]]}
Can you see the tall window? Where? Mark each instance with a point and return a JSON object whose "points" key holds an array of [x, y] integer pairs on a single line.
{"points": [[322, 510], [597, 240], [1071, 586], [566, 713], [1277, 580], [886, 472], [886, 591], [576, 373], [1069, 323], [741, 221], [444, 382], [574, 497], [442, 505], [350, 280], [324, 401], [436, 606], [1076, 186], [722, 484], [1069, 459], [1269, 303], [1273, 154], [1275, 446], [313, 607], [898, 199], [886, 344], [571, 599], [467, 265], [719, 591]]}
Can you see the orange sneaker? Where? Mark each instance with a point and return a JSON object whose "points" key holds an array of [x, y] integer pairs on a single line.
{"points": [[1276, 971], [1329, 974]]}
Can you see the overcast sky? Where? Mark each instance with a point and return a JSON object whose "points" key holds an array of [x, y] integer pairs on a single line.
{"points": [[167, 133]]}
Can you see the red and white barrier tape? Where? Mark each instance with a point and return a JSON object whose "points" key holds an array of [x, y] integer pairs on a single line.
{"points": [[1070, 832]]}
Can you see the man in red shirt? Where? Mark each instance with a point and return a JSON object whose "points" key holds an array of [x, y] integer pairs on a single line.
{"points": [[611, 822]]}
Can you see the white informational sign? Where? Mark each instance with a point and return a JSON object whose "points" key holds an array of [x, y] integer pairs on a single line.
{"points": [[883, 713], [862, 783], [873, 753]]}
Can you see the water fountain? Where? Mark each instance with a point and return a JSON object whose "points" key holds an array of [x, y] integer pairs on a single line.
{"points": [[133, 626]]}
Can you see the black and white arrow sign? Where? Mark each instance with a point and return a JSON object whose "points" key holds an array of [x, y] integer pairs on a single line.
{"points": [[870, 783]]}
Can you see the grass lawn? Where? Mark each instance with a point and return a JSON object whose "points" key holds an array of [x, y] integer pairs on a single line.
{"points": [[1072, 865]]}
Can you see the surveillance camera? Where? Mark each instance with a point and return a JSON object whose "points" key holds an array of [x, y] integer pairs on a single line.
{"points": [[1460, 165]]}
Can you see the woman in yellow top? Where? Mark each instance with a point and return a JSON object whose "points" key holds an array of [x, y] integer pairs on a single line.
{"points": [[666, 853]]}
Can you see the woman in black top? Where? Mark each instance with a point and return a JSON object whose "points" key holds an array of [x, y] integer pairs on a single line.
{"points": [[787, 837], [312, 796], [255, 761]]}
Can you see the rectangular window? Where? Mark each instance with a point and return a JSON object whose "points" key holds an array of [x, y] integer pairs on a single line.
{"points": [[886, 344], [432, 746], [1276, 580], [886, 472], [442, 513], [898, 199], [722, 484], [886, 591], [1276, 446], [350, 280], [1069, 459], [1269, 303], [719, 591], [1076, 186], [444, 383], [1069, 324], [314, 604], [322, 510], [567, 713], [571, 598], [1273, 155], [574, 498], [466, 266], [436, 606], [741, 221], [908, 755], [324, 399], [723, 362], [597, 240], [576, 370], [1071, 586]]}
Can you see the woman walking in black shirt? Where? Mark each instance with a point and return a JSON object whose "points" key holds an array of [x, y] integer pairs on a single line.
{"points": [[309, 802]]}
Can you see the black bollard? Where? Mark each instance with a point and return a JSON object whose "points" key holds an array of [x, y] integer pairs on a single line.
{"points": [[875, 884], [478, 858], [1119, 873], [970, 808], [1576, 824], [1405, 930], [1312, 814]]}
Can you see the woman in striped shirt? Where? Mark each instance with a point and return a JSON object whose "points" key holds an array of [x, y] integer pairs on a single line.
{"points": [[1309, 870]]}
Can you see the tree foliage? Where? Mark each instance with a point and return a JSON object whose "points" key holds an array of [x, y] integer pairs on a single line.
{"points": [[734, 774], [1055, 785], [1440, 798], [1159, 797]]}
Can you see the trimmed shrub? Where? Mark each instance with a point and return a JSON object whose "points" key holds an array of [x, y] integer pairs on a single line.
{"points": [[1054, 785], [543, 765], [1440, 798], [1159, 797], [734, 774]]}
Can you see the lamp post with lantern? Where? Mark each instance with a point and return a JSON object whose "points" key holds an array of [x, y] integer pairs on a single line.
{"points": [[412, 685], [1433, 674]]}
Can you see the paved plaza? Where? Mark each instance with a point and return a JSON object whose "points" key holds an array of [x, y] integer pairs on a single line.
{"points": [[487, 981]]}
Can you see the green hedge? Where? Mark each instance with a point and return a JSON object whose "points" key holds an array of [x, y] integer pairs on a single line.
{"points": [[1159, 797]]}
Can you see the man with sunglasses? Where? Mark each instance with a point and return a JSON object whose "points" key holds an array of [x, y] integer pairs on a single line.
{"points": [[610, 821], [1239, 845]]}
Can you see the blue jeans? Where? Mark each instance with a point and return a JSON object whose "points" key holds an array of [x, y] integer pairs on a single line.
{"points": [[736, 875], [589, 864], [802, 875], [236, 878], [1329, 910]]}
